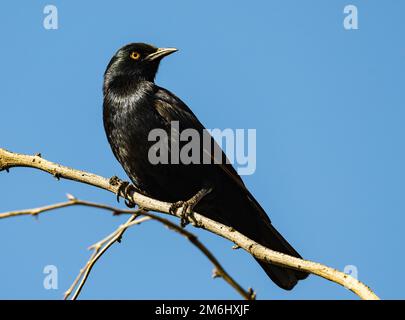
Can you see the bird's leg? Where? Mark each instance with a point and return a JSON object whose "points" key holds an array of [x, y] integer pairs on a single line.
{"points": [[188, 206], [125, 189]]}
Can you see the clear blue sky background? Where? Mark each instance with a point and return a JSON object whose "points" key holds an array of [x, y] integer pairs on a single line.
{"points": [[328, 106]]}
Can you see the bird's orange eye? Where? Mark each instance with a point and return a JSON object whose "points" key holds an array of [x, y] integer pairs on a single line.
{"points": [[135, 55]]}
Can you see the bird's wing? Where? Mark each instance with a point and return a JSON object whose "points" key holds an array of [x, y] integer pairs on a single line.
{"points": [[171, 108]]}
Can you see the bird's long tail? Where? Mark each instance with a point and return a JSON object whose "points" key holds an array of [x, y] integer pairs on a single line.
{"points": [[285, 278], [246, 215]]}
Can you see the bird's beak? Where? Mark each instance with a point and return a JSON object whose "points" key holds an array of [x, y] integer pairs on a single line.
{"points": [[160, 53]]}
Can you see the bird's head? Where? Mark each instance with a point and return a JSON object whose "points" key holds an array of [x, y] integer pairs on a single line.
{"points": [[138, 60]]}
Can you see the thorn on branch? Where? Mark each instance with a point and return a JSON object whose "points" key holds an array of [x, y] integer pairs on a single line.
{"points": [[192, 237], [235, 247], [252, 294], [4, 167], [215, 273], [35, 215], [70, 197], [94, 247]]}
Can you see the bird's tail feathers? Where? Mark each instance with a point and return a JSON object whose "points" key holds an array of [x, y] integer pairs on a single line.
{"points": [[284, 277]]}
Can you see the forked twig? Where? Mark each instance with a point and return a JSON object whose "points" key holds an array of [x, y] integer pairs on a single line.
{"points": [[103, 245]]}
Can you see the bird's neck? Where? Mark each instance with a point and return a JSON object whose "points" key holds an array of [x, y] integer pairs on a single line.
{"points": [[125, 82]]}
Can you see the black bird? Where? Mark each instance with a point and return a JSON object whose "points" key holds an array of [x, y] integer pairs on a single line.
{"points": [[133, 106]]}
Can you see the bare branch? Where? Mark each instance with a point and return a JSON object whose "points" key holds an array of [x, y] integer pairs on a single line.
{"points": [[219, 270], [101, 247], [70, 202], [9, 160], [98, 252]]}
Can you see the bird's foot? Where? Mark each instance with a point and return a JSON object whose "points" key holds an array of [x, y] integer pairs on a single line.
{"points": [[188, 206], [185, 212], [125, 189]]}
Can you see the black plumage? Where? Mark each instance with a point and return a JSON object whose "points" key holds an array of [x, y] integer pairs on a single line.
{"points": [[133, 106]]}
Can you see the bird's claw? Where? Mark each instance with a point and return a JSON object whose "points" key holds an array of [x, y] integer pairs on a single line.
{"points": [[125, 189], [174, 206], [188, 206], [185, 213]]}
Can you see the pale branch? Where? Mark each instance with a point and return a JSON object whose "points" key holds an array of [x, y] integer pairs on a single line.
{"points": [[98, 252], [101, 246], [70, 202], [75, 283], [9, 160]]}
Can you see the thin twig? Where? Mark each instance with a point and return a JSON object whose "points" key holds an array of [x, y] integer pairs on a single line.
{"points": [[99, 253], [9, 160], [78, 277], [35, 211], [70, 202]]}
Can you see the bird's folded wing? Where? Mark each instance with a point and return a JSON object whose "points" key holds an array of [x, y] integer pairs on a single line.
{"points": [[171, 108]]}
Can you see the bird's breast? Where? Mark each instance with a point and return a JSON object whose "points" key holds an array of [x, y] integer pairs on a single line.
{"points": [[128, 121]]}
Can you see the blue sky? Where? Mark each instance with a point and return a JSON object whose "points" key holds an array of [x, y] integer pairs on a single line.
{"points": [[327, 104]]}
